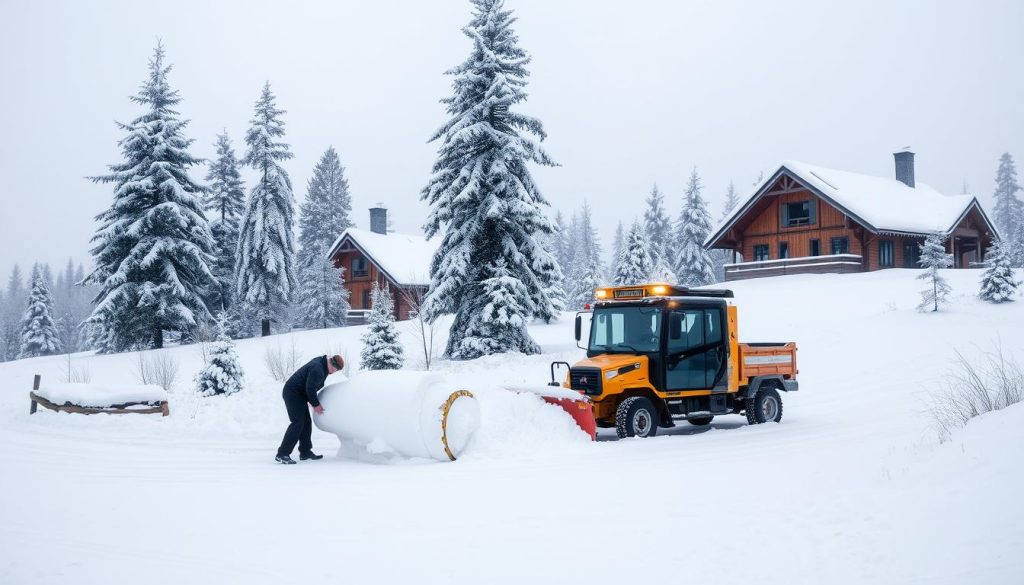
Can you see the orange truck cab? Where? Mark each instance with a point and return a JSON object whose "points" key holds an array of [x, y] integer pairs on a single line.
{"points": [[658, 354]]}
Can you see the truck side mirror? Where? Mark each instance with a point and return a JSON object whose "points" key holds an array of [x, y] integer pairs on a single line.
{"points": [[675, 325], [579, 326]]}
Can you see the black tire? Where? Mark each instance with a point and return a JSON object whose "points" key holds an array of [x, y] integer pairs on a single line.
{"points": [[765, 406], [700, 422], [636, 417]]}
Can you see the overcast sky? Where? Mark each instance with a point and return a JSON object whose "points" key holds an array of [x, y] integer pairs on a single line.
{"points": [[631, 93]]}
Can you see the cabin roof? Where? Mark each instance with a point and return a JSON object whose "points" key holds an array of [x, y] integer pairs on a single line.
{"points": [[880, 204], [404, 259]]}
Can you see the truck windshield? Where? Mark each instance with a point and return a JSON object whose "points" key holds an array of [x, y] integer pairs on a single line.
{"points": [[625, 330]]}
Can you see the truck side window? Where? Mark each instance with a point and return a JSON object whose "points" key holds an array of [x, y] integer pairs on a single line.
{"points": [[694, 357]]}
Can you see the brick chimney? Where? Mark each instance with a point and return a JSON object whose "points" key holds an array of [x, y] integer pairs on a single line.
{"points": [[379, 220], [905, 166]]}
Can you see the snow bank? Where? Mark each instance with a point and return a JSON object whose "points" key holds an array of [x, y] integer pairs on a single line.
{"points": [[396, 413], [100, 395]]}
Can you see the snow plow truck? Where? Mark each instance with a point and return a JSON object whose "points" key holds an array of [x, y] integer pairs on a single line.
{"points": [[659, 353]]}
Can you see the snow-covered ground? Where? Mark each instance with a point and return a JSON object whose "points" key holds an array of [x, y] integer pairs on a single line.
{"points": [[851, 487]]}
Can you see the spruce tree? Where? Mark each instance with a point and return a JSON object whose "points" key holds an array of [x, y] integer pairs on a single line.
{"points": [[997, 282], [586, 272], [617, 244], [561, 244], [15, 300], [153, 247], [327, 209], [694, 266], [724, 257], [658, 227], [382, 348], [38, 334], [634, 266], [264, 262], [224, 203], [934, 257], [1015, 246], [223, 373], [1008, 210], [484, 202], [322, 298]]}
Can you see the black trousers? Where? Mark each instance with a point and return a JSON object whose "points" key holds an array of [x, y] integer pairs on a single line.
{"points": [[300, 426]]}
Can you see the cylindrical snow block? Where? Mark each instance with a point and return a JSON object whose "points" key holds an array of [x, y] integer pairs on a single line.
{"points": [[413, 414]]}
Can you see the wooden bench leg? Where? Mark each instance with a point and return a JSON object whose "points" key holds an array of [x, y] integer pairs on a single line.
{"points": [[165, 409], [32, 409]]}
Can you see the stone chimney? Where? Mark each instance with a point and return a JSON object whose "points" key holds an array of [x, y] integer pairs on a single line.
{"points": [[379, 220], [905, 166]]}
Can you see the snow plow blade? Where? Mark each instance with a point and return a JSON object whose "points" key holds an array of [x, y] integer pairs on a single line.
{"points": [[573, 403]]}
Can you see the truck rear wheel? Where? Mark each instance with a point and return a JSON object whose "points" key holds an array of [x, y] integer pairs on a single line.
{"points": [[636, 417], [700, 422], [765, 406]]}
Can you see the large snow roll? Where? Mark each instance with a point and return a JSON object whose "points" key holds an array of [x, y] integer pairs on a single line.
{"points": [[412, 414]]}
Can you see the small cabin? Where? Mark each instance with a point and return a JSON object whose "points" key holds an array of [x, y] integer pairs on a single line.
{"points": [[398, 260], [811, 219]]}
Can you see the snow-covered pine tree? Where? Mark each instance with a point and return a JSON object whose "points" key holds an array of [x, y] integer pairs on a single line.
{"points": [[723, 257], [327, 209], [1015, 246], [224, 203], [264, 262], [484, 202], [694, 266], [15, 300], [634, 265], [998, 284], [934, 257], [587, 272], [322, 297], [38, 334], [223, 373], [617, 243], [1008, 210], [658, 227], [382, 348], [153, 247], [560, 242]]}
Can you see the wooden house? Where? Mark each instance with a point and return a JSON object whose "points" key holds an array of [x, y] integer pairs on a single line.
{"points": [[810, 219], [400, 261]]}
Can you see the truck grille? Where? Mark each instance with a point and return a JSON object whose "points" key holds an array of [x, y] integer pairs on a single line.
{"points": [[586, 379]]}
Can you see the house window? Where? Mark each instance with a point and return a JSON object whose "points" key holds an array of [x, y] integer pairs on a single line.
{"points": [[815, 248], [366, 299], [840, 245], [760, 252], [783, 250], [360, 267], [886, 254], [797, 213], [911, 255]]}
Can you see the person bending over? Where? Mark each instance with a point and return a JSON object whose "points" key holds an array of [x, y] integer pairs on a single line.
{"points": [[299, 391]]}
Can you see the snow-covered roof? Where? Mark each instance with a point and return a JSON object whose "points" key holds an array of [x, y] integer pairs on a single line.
{"points": [[403, 258], [881, 204]]}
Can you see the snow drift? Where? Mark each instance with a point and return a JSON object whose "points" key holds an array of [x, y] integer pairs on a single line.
{"points": [[409, 414]]}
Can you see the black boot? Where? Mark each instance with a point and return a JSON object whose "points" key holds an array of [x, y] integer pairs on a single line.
{"points": [[310, 455], [284, 459]]}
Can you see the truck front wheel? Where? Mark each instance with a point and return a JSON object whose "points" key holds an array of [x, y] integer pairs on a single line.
{"points": [[765, 406], [636, 417]]}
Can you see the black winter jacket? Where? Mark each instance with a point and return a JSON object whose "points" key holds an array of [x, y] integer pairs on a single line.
{"points": [[307, 380]]}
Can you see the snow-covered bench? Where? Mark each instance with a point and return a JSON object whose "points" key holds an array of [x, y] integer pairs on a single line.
{"points": [[97, 398]]}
